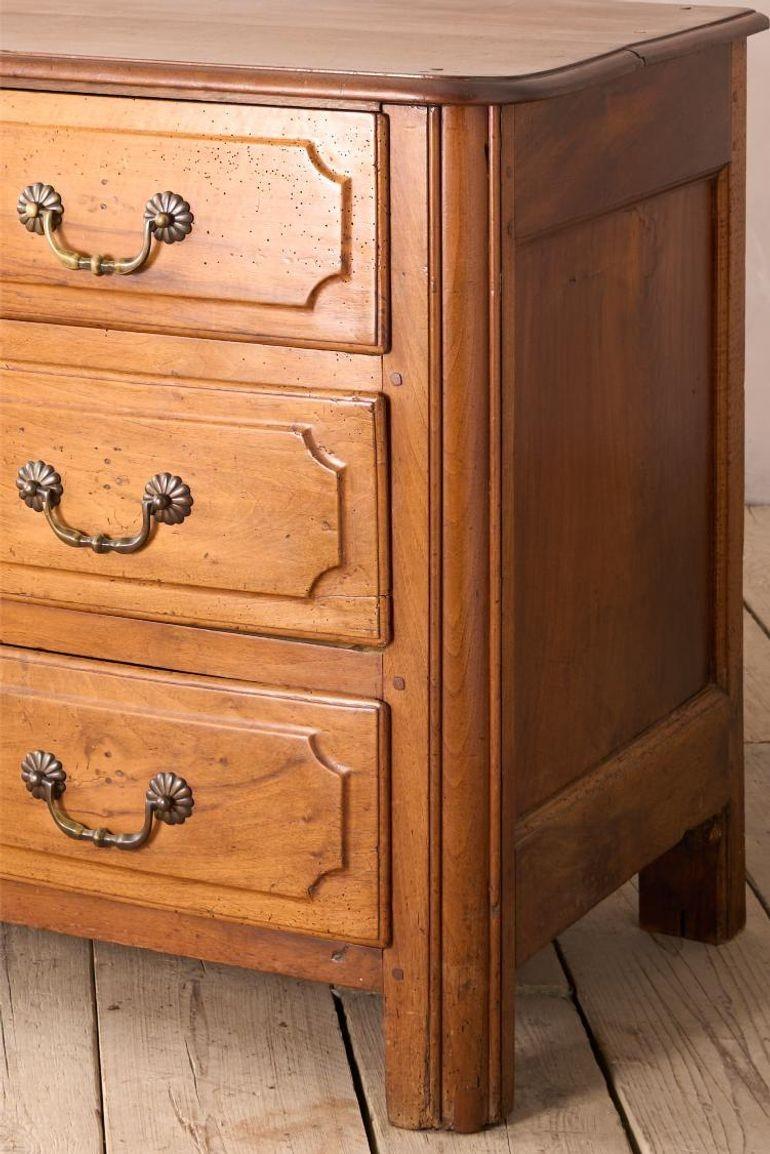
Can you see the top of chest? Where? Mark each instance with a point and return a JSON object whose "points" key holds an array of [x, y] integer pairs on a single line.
{"points": [[442, 51]]}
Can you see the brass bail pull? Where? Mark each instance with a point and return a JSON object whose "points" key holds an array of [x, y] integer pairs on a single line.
{"points": [[166, 500], [167, 218], [168, 799]]}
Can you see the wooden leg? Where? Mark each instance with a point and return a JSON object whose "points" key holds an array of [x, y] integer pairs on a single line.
{"points": [[697, 890], [468, 1102]]}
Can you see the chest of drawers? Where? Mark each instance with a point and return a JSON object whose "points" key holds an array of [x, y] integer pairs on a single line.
{"points": [[371, 556]]}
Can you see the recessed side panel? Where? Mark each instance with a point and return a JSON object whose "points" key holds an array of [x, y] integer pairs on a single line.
{"points": [[613, 460]]}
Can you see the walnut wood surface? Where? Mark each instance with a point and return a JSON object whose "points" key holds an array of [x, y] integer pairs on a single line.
{"points": [[592, 837], [562, 669], [109, 920], [70, 349], [288, 532], [271, 660], [620, 141], [286, 242], [698, 889], [288, 828], [411, 963], [613, 454], [465, 639], [431, 50]]}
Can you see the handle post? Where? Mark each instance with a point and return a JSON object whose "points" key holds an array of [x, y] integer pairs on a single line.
{"points": [[166, 499], [168, 799], [167, 217]]}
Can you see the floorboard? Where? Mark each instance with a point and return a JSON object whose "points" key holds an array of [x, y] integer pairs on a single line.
{"points": [[206, 1059], [543, 974], [563, 1106], [50, 1100], [684, 1028], [756, 652], [758, 822], [756, 681], [756, 566]]}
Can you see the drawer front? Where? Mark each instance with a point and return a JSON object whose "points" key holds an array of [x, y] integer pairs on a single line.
{"points": [[286, 827], [287, 532], [286, 239]]}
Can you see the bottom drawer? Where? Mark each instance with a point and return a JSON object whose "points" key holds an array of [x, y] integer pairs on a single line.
{"points": [[288, 818]]}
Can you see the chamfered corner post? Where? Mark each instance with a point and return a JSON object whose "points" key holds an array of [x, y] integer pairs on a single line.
{"points": [[449, 977], [477, 973], [697, 889]]}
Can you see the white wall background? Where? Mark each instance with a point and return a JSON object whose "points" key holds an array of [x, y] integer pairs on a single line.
{"points": [[757, 263]]}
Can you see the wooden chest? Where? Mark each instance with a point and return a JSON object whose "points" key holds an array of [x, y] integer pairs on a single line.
{"points": [[371, 551]]}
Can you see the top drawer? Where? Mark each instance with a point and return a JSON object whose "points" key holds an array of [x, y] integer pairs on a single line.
{"points": [[286, 239]]}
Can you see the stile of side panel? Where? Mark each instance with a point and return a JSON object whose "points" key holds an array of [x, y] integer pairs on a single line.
{"points": [[698, 889]]}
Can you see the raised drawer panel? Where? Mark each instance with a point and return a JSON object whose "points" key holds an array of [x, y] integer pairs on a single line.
{"points": [[288, 529], [286, 241], [289, 789]]}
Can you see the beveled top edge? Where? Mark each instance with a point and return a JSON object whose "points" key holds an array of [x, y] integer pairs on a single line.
{"points": [[240, 83]]}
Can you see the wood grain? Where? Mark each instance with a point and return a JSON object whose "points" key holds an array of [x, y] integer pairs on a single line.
{"points": [[466, 590], [562, 1103], [756, 691], [683, 1027], [272, 951], [412, 1003], [758, 818], [502, 930], [285, 241], [430, 51], [556, 423], [578, 848], [158, 357], [756, 654], [50, 1101], [613, 457], [701, 884], [285, 664], [288, 531], [757, 571], [289, 827], [620, 141], [543, 973], [224, 1060]]}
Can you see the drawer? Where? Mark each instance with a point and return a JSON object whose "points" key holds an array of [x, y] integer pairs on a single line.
{"points": [[287, 532], [286, 242], [288, 790]]}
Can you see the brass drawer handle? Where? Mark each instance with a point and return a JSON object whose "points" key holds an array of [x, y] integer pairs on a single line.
{"points": [[166, 499], [168, 799], [167, 217]]}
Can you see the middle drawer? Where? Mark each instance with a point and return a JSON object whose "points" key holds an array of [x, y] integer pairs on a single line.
{"points": [[287, 532]]}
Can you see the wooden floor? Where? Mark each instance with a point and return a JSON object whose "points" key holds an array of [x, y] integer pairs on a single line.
{"points": [[626, 1042]]}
